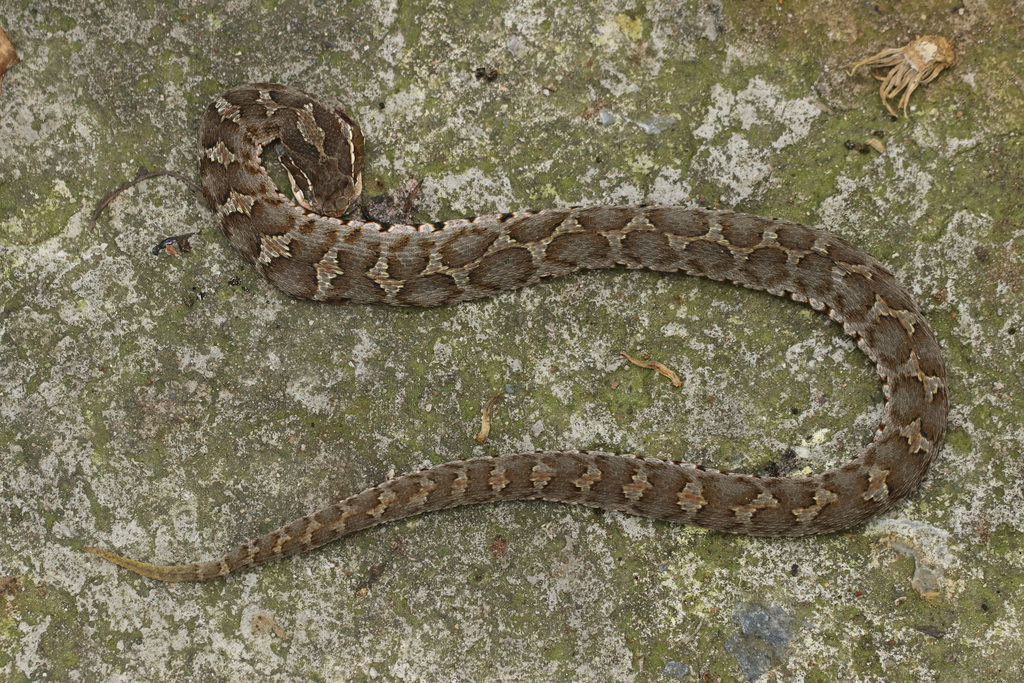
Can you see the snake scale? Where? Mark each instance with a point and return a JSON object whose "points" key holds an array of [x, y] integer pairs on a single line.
{"points": [[307, 249]]}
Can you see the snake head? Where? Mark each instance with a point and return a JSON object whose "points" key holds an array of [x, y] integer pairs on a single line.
{"points": [[323, 188], [326, 177], [328, 193], [342, 198]]}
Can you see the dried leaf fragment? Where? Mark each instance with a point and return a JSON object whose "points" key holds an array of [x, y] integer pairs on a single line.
{"points": [[876, 144], [655, 365], [919, 62], [8, 57], [485, 421]]}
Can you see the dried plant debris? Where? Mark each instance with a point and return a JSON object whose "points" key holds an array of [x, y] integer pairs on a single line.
{"points": [[485, 422], [141, 175], [919, 62], [399, 207], [655, 365], [8, 57], [866, 146], [174, 245], [876, 145]]}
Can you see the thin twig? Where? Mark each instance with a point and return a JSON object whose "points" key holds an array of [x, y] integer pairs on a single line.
{"points": [[143, 174], [655, 365]]}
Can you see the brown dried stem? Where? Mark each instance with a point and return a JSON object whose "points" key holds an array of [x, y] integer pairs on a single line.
{"points": [[655, 365], [141, 175]]}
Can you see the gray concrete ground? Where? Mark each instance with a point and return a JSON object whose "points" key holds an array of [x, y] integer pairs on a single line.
{"points": [[169, 408]]}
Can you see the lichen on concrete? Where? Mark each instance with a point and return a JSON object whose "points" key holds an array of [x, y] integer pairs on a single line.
{"points": [[169, 408]]}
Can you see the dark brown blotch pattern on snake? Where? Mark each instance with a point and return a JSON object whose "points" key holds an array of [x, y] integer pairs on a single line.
{"points": [[311, 255]]}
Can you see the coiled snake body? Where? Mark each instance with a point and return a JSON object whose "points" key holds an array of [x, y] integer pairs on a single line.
{"points": [[308, 252]]}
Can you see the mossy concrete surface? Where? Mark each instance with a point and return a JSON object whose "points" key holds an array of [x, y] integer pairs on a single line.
{"points": [[170, 407]]}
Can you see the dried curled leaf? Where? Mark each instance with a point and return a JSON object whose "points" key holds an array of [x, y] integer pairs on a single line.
{"points": [[655, 365], [485, 421], [8, 57], [919, 62]]}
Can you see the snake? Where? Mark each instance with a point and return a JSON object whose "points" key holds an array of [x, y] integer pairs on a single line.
{"points": [[310, 246]]}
